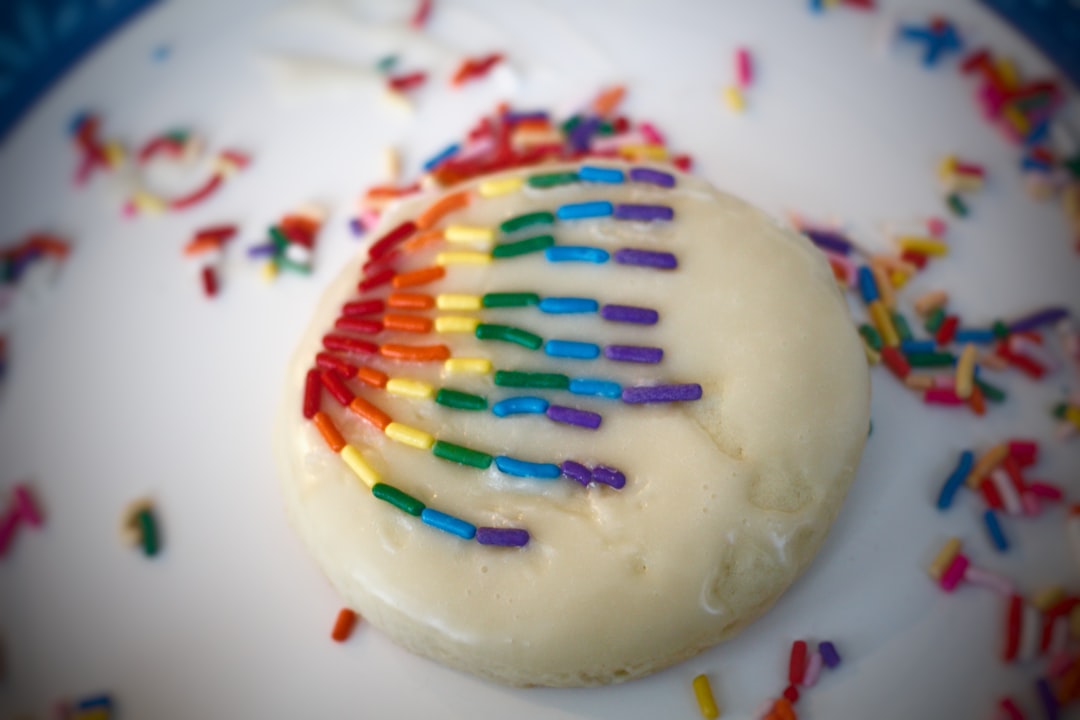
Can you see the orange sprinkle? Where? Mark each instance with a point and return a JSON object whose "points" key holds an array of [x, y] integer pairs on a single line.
{"points": [[407, 323], [783, 710], [49, 245], [410, 301], [299, 223], [200, 245], [329, 431], [371, 376], [442, 206], [415, 353], [422, 240], [608, 99], [977, 401], [343, 626], [419, 277], [533, 125], [369, 413]]}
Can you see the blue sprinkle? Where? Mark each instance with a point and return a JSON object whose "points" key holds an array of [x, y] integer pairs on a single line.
{"points": [[444, 155], [448, 523], [917, 346], [591, 173], [581, 211], [96, 701], [576, 253], [956, 480], [521, 468], [572, 349], [566, 305], [867, 285], [601, 388], [993, 527], [521, 405], [976, 336]]}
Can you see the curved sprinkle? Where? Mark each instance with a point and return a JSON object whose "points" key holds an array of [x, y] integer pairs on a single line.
{"points": [[521, 405]]}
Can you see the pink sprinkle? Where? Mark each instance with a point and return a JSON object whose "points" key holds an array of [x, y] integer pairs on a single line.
{"points": [[651, 134], [8, 524], [128, 209], [1045, 491], [26, 507], [683, 162], [813, 670], [955, 573], [1025, 452], [942, 396], [936, 227], [992, 581], [1011, 712], [945, 382], [743, 68]]}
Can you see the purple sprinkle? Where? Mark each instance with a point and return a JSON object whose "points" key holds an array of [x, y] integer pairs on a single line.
{"points": [[609, 476], [646, 258], [629, 314], [582, 133], [644, 212], [576, 471], [655, 177], [1048, 699], [1038, 319], [515, 117], [661, 393], [357, 227], [833, 242], [503, 537], [573, 416], [258, 251], [829, 654], [633, 353]]}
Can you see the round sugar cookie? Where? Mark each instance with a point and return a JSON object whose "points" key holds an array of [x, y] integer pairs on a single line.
{"points": [[575, 423]]}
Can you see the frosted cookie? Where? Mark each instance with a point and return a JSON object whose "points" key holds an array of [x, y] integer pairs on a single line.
{"points": [[569, 426]]}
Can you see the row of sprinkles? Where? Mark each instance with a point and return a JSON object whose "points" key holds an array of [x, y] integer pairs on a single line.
{"points": [[391, 300]]}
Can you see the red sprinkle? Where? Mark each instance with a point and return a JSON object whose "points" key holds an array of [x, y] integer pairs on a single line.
{"points": [[420, 17], [336, 387], [363, 307], [199, 194], [326, 361], [404, 83], [1012, 628], [366, 326], [312, 386], [343, 625], [895, 361], [991, 495], [797, 662], [942, 396], [392, 239], [376, 279], [1009, 707], [947, 331], [1024, 452], [792, 694], [209, 281], [342, 343]]}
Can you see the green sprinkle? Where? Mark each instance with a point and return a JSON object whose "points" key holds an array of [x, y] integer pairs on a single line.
{"points": [[903, 330], [148, 532], [931, 359], [1072, 164], [460, 400], [497, 300], [517, 379], [1001, 330], [571, 123], [1059, 411], [397, 498], [606, 127], [279, 239], [871, 336], [541, 217], [462, 455], [506, 333], [934, 320], [991, 392], [548, 180], [522, 247], [957, 205], [286, 263], [386, 63]]}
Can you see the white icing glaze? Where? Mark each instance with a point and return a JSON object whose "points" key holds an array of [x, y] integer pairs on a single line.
{"points": [[727, 499]]}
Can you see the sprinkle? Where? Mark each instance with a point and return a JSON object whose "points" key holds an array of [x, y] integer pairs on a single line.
{"points": [[329, 431], [512, 378], [653, 177], [369, 413], [646, 258], [312, 387], [956, 205], [502, 537], [449, 301], [879, 315], [406, 387], [522, 247], [983, 578], [408, 435], [419, 277], [965, 371], [463, 258], [467, 366], [797, 662], [363, 307], [1038, 319], [375, 279], [733, 98], [568, 305], [514, 224], [148, 532], [499, 300], [931, 360], [521, 468], [392, 239], [591, 173], [705, 700], [407, 323], [461, 455], [456, 324], [609, 476], [442, 207], [359, 466], [371, 376], [955, 480], [629, 314], [448, 523], [944, 558], [469, 234], [522, 405], [441, 156], [1047, 699], [401, 500], [924, 246], [644, 213], [896, 362], [813, 670], [633, 353], [572, 349], [500, 186], [343, 625], [336, 387], [661, 393], [460, 400], [415, 353], [986, 463], [549, 180], [577, 472], [743, 68], [993, 528], [600, 388], [209, 281], [829, 655], [830, 241], [585, 210], [506, 333], [576, 253], [954, 573], [573, 416], [868, 287]]}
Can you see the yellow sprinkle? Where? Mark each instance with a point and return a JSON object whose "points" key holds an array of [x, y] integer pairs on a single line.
{"points": [[407, 435], [898, 279], [528, 138], [919, 382], [986, 462], [733, 98], [1048, 597], [467, 366], [359, 465], [923, 245], [398, 100], [1016, 118], [644, 151], [885, 286], [873, 357], [705, 700], [148, 203], [1072, 414], [463, 258], [947, 168], [879, 315], [469, 234], [1006, 71], [410, 388], [501, 186], [269, 271], [114, 153], [944, 558], [451, 301], [965, 371], [391, 164], [963, 183], [456, 324]]}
